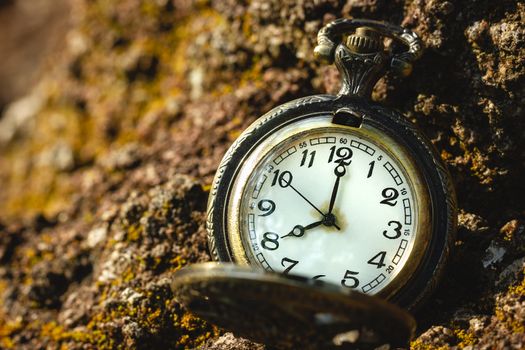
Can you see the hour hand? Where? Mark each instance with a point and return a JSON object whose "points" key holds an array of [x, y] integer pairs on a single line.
{"points": [[339, 171], [299, 230]]}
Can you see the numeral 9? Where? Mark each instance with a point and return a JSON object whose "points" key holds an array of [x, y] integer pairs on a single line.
{"points": [[267, 206]]}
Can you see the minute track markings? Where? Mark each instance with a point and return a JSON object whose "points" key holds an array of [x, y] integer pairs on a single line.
{"points": [[362, 147], [408, 211], [321, 140], [393, 172], [374, 283], [285, 155]]}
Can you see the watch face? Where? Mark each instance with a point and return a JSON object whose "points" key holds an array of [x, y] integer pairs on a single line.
{"points": [[332, 203]]}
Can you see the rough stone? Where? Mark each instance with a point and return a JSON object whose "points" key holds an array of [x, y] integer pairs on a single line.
{"points": [[106, 164]]}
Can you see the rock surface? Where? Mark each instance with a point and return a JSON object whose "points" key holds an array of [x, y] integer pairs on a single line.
{"points": [[105, 165]]}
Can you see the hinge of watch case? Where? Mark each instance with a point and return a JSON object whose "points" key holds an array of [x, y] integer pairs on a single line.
{"points": [[348, 117]]}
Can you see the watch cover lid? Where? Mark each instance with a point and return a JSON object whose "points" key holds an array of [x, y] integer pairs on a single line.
{"points": [[290, 311]]}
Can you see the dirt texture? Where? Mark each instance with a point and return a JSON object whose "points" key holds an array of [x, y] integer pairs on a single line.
{"points": [[106, 163]]}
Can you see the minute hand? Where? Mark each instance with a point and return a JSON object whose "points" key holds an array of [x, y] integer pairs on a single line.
{"points": [[306, 199]]}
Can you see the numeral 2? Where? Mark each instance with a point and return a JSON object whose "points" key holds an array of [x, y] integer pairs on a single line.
{"points": [[390, 194]]}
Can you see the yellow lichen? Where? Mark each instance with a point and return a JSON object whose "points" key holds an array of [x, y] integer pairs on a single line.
{"points": [[177, 263], [419, 345], [110, 119], [7, 330], [518, 289], [465, 338], [134, 232], [516, 325]]}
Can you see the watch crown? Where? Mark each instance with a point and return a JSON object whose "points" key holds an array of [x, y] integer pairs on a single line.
{"points": [[365, 40]]}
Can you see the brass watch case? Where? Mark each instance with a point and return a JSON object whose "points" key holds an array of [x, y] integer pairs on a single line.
{"points": [[431, 183], [290, 313]]}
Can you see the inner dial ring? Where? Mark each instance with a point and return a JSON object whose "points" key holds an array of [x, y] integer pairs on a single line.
{"points": [[333, 203]]}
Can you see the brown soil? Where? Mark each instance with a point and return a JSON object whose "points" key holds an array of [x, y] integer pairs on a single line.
{"points": [[105, 165]]}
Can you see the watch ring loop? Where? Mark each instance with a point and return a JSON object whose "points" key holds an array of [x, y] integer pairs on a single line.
{"points": [[330, 36]]}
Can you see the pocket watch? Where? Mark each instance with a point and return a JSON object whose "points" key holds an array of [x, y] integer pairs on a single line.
{"points": [[331, 208]]}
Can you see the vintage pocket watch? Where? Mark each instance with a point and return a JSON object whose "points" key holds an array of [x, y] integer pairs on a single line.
{"points": [[345, 199]]}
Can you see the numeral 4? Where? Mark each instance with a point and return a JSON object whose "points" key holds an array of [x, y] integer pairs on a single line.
{"points": [[378, 260]]}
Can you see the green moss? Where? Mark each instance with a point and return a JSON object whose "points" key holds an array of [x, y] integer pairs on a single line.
{"points": [[154, 317]]}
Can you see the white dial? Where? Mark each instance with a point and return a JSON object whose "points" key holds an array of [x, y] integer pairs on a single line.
{"points": [[330, 205]]}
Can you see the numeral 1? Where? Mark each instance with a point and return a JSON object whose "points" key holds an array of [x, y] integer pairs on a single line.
{"points": [[371, 170]]}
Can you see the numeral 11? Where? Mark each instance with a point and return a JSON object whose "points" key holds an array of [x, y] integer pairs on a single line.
{"points": [[305, 157]]}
